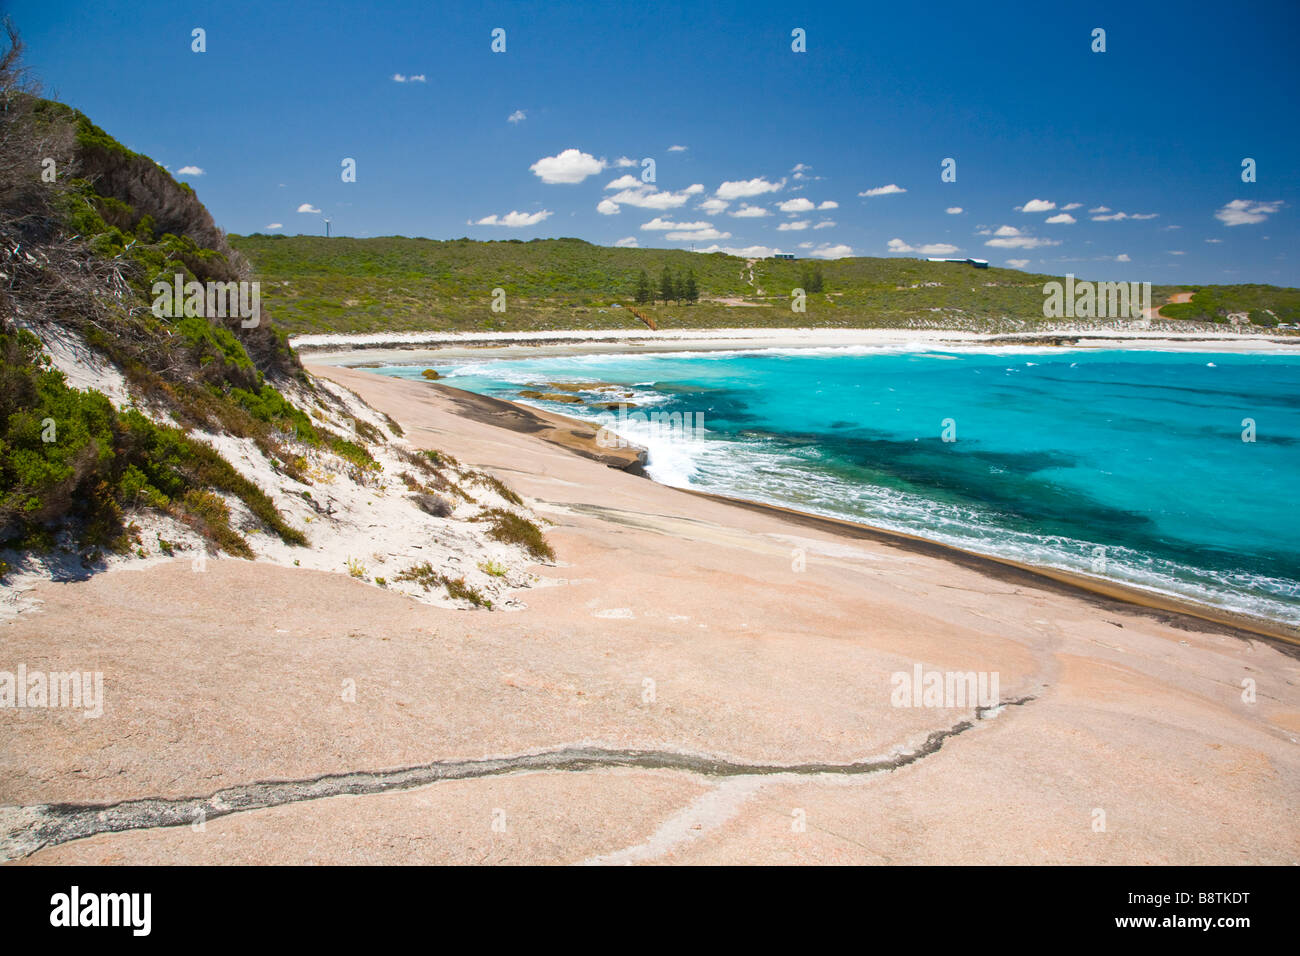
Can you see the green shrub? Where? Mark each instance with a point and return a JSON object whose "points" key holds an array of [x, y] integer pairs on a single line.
{"points": [[510, 528], [497, 485], [424, 575]]}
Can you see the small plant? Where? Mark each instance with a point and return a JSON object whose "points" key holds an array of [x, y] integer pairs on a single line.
{"points": [[382, 582], [457, 588], [440, 457], [510, 528], [356, 568], [424, 575], [497, 485], [210, 515], [493, 569], [421, 574], [430, 374], [166, 547]]}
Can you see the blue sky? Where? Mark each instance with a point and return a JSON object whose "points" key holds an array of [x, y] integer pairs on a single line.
{"points": [[1138, 149]]}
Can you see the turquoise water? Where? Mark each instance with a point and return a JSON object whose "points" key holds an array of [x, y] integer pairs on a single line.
{"points": [[1127, 465]]}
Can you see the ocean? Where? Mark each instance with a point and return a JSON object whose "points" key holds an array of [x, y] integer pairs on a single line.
{"points": [[1171, 471]]}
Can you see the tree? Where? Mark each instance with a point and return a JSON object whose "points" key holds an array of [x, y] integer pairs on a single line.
{"points": [[811, 279], [667, 287], [644, 293], [690, 291]]}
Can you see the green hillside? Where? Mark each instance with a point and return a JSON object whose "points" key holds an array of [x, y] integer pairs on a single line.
{"points": [[313, 284]]}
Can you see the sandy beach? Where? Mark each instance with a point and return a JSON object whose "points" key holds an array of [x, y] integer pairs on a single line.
{"points": [[412, 347], [692, 681]]}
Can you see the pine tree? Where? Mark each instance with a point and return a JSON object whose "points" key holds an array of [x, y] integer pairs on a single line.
{"points": [[810, 277], [667, 287], [644, 293], [690, 291]]}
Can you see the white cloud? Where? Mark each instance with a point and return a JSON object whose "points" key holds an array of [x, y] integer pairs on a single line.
{"points": [[1037, 205], [1063, 218], [1071, 205], [829, 204], [623, 162], [806, 245], [748, 252], [1001, 231], [676, 149], [715, 206], [1213, 240], [399, 78], [930, 249], [1017, 263], [1104, 214], [274, 225], [189, 171], [696, 235], [570, 166], [796, 205], [417, 78], [607, 208], [889, 190], [825, 224], [746, 211], [518, 116], [1243, 212], [657, 223], [833, 252], [627, 242], [514, 220], [308, 207], [647, 197], [626, 181], [744, 188], [694, 188], [1123, 257], [954, 210], [796, 226], [1021, 242], [1177, 252]]}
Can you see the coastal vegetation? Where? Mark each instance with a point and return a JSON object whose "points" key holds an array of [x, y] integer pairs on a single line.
{"points": [[1263, 305], [394, 283], [118, 414]]}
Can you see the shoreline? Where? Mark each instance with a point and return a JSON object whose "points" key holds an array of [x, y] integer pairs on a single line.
{"points": [[669, 624], [387, 348], [576, 437]]}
